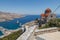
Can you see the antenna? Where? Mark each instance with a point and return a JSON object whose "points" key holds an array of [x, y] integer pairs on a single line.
{"points": [[56, 8]]}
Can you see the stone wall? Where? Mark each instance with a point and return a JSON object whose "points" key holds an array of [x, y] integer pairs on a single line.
{"points": [[46, 30]]}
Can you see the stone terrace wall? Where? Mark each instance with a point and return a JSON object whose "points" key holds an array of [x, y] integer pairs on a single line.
{"points": [[46, 30]]}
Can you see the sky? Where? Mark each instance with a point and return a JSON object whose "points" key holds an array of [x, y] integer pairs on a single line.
{"points": [[35, 7]]}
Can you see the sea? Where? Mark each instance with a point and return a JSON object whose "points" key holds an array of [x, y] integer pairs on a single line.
{"points": [[12, 24]]}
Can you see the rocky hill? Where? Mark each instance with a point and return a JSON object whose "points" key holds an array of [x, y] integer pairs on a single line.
{"points": [[9, 16]]}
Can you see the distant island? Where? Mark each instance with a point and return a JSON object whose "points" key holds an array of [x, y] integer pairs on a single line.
{"points": [[4, 16]]}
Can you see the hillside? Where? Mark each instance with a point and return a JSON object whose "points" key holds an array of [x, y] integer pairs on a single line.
{"points": [[4, 16]]}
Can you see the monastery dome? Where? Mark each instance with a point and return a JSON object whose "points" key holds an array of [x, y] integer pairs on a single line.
{"points": [[48, 10]]}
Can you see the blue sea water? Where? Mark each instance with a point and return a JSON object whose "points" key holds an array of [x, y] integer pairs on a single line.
{"points": [[11, 25], [1, 33], [58, 15]]}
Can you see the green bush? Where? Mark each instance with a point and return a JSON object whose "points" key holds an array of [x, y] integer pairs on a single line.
{"points": [[58, 19], [46, 26], [52, 23], [12, 36]]}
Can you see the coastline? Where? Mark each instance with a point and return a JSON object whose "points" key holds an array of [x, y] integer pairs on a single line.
{"points": [[8, 17], [7, 32]]}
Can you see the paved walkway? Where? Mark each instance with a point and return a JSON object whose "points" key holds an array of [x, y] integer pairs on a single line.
{"points": [[49, 36], [28, 33]]}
